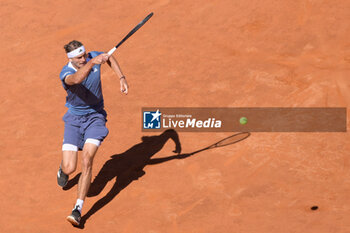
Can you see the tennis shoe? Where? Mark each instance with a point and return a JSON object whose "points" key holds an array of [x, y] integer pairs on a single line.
{"points": [[62, 179], [74, 217]]}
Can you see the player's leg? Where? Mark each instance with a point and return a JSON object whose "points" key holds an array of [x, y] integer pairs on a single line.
{"points": [[87, 158], [71, 141], [89, 152], [69, 161], [68, 165], [94, 133]]}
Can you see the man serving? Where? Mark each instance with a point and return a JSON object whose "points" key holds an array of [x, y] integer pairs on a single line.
{"points": [[85, 120]]}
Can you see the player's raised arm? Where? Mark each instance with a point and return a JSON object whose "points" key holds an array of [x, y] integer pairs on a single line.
{"points": [[83, 67], [113, 63]]}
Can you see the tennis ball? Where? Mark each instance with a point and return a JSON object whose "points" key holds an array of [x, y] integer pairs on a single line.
{"points": [[243, 120]]}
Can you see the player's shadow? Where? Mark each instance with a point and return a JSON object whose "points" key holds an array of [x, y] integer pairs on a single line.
{"points": [[128, 166]]}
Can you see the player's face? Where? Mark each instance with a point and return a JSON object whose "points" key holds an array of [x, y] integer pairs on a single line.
{"points": [[79, 61]]}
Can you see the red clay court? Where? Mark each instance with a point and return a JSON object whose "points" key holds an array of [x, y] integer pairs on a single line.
{"points": [[229, 53]]}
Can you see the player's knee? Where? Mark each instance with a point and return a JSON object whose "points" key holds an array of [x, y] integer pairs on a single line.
{"points": [[87, 160], [68, 167]]}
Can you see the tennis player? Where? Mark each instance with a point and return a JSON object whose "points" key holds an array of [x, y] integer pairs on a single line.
{"points": [[85, 120]]}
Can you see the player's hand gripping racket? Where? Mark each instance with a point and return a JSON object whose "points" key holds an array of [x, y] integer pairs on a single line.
{"points": [[110, 52]]}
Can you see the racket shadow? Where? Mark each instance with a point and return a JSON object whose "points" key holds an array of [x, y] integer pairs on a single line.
{"points": [[230, 140]]}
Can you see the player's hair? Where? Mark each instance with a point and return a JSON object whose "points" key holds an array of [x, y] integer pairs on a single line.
{"points": [[74, 44]]}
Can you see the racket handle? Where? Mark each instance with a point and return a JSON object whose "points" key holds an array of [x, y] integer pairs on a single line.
{"points": [[110, 52]]}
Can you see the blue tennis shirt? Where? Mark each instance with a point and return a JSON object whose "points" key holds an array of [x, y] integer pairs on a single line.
{"points": [[85, 97]]}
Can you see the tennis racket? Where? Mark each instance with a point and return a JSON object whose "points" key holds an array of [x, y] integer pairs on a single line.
{"points": [[110, 52]]}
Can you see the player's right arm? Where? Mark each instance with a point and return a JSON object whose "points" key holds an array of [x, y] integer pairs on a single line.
{"points": [[83, 72]]}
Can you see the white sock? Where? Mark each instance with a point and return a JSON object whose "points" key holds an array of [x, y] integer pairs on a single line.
{"points": [[79, 204]]}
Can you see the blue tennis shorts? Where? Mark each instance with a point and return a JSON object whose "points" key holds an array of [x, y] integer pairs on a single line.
{"points": [[79, 128]]}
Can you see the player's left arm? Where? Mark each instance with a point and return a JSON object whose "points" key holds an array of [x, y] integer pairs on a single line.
{"points": [[112, 62]]}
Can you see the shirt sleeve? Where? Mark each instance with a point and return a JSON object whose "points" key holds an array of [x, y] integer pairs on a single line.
{"points": [[64, 73], [95, 53]]}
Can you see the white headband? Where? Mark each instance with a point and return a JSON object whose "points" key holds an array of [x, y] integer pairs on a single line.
{"points": [[76, 52]]}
